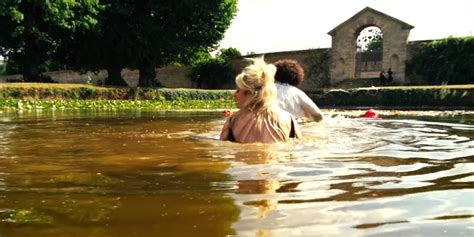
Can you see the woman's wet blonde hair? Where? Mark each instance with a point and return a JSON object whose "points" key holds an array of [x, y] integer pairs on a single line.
{"points": [[258, 79]]}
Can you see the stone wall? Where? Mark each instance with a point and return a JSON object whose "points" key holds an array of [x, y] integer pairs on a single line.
{"points": [[315, 62], [174, 77], [169, 77]]}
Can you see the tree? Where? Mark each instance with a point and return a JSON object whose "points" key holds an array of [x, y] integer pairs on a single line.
{"points": [[229, 53], [448, 60], [148, 34], [212, 73], [370, 39], [376, 44], [169, 31], [31, 30], [197, 57], [108, 46]]}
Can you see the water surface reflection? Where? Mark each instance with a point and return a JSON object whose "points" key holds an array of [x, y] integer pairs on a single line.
{"points": [[165, 174]]}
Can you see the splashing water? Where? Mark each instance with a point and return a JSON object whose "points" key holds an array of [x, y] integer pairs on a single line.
{"points": [[147, 174]]}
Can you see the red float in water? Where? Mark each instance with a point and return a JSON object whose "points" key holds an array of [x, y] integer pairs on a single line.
{"points": [[370, 113], [226, 113]]}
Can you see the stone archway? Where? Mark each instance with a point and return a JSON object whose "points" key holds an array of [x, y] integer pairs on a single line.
{"points": [[368, 59], [344, 36]]}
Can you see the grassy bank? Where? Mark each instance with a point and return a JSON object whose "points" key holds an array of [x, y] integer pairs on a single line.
{"points": [[31, 96], [39, 96], [447, 96], [28, 104], [57, 91]]}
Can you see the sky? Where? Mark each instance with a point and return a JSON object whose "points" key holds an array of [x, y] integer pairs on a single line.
{"points": [[263, 26]]}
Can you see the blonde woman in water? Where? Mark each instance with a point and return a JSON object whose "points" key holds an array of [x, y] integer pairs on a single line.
{"points": [[259, 118]]}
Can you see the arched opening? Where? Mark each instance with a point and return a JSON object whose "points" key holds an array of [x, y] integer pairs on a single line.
{"points": [[369, 52]]}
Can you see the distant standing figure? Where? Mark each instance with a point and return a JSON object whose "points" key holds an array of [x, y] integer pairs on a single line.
{"points": [[390, 75], [288, 76], [382, 77]]}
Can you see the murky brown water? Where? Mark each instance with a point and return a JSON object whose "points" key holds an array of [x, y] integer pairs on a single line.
{"points": [[151, 174]]}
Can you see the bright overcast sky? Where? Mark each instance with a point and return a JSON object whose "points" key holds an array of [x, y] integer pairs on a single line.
{"points": [[284, 25]]}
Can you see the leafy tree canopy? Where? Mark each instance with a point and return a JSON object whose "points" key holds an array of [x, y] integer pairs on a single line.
{"points": [[150, 33], [370, 39], [170, 31], [31, 30], [215, 72], [447, 61], [376, 45], [228, 53]]}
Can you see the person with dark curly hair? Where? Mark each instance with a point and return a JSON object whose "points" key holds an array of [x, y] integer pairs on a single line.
{"points": [[288, 76]]}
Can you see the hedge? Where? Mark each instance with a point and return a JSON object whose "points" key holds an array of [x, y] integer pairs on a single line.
{"points": [[28, 95], [461, 96]]}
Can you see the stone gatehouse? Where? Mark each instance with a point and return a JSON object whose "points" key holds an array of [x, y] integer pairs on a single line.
{"points": [[328, 67], [343, 51]]}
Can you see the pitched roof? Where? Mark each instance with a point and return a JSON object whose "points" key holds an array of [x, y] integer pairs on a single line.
{"points": [[371, 10]]}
